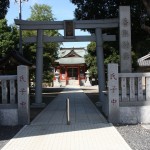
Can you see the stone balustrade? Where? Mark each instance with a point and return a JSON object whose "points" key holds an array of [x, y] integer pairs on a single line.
{"points": [[14, 100], [128, 96]]}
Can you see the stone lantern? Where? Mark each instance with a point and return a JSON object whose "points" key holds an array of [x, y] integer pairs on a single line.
{"points": [[56, 82], [87, 82]]}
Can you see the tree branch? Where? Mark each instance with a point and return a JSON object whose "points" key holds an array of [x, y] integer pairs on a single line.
{"points": [[147, 6], [146, 28]]}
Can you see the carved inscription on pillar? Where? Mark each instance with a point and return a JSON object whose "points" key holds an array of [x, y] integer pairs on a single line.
{"points": [[125, 39], [113, 93], [23, 94]]}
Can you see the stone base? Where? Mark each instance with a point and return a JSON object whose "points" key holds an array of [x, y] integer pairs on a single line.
{"points": [[38, 105], [87, 83], [56, 84], [9, 117], [135, 115], [98, 104]]}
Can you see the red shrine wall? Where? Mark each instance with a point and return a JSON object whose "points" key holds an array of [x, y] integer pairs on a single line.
{"points": [[71, 74]]}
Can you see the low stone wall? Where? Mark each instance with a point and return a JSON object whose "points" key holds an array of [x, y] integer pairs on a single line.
{"points": [[15, 106], [135, 115], [63, 83], [8, 115], [130, 114]]}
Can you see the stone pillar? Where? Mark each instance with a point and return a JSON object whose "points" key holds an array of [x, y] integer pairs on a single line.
{"points": [[39, 71], [4, 92], [87, 83], [100, 63], [56, 82], [125, 39], [12, 92], [113, 93], [23, 95]]}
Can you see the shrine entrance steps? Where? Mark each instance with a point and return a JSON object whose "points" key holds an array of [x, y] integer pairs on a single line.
{"points": [[88, 130], [73, 82]]}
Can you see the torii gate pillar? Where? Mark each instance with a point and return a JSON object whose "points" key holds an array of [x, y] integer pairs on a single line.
{"points": [[100, 63], [39, 70]]}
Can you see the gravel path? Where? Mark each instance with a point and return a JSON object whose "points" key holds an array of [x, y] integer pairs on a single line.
{"points": [[136, 136]]}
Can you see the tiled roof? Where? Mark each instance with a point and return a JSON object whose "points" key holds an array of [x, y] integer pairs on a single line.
{"points": [[15, 55], [71, 56], [65, 51], [71, 60], [144, 61]]}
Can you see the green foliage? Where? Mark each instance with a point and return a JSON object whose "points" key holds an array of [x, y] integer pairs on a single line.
{"points": [[94, 9], [42, 13], [90, 59], [8, 38], [110, 56], [4, 5], [48, 76], [89, 10], [111, 53]]}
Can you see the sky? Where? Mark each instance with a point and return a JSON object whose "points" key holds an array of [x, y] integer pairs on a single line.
{"points": [[61, 9]]}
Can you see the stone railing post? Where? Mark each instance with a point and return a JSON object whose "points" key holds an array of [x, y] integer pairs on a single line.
{"points": [[113, 93], [23, 95], [56, 82]]}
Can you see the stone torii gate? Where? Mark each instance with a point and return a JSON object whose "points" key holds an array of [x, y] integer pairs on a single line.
{"points": [[69, 27]]}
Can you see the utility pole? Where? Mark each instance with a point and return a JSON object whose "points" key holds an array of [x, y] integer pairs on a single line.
{"points": [[20, 31]]}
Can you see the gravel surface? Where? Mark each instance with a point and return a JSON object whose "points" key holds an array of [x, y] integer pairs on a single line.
{"points": [[136, 136]]}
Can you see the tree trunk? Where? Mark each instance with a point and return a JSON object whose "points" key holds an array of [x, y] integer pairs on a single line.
{"points": [[147, 6]]}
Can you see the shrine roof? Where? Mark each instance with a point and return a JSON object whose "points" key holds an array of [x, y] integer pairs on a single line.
{"points": [[81, 52], [144, 61], [71, 60], [17, 57]]}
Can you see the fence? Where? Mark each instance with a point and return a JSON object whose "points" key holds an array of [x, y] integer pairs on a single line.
{"points": [[14, 100], [8, 89], [127, 92]]}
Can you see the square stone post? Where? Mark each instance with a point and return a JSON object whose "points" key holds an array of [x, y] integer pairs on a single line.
{"points": [[23, 95], [113, 93], [125, 39]]}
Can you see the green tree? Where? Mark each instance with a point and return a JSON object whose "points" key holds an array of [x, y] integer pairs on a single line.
{"points": [[110, 55], [144, 24], [4, 5], [89, 10], [42, 13], [90, 59], [8, 38]]}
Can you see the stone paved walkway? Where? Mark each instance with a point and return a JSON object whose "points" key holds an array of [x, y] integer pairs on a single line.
{"points": [[88, 130]]}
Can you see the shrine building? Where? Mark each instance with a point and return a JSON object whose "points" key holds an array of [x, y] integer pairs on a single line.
{"points": [[71, 66]]}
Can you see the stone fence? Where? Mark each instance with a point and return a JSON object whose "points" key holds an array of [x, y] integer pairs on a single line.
{"points": [[128, 98], [14, 100]]}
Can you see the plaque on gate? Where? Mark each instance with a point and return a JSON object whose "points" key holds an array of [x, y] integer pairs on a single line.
{"points": [[69, 29]]}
